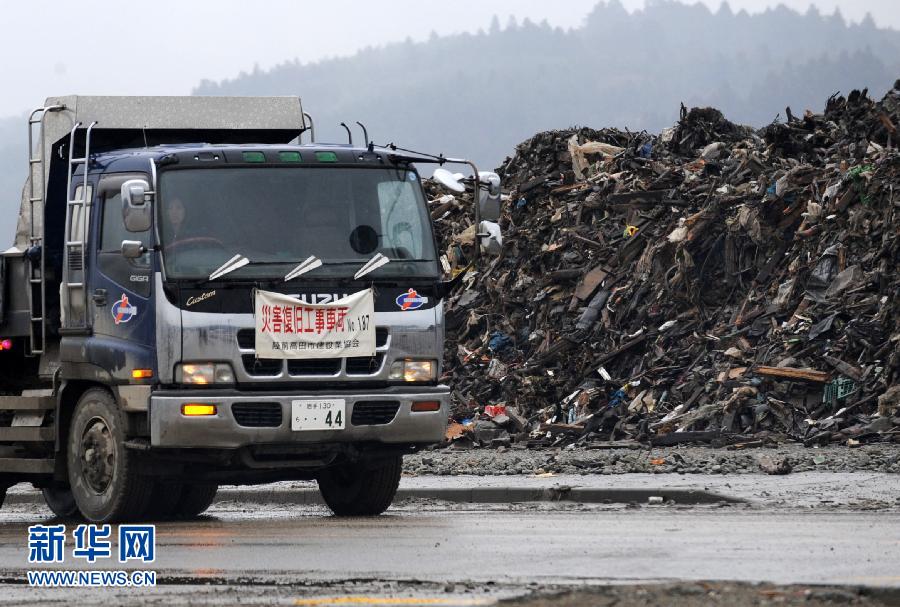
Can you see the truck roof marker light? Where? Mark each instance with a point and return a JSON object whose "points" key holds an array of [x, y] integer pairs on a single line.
{"points": [[326, 157], [141, 373], [198, 410], [290, 157], [253, 157], [5, 344], [426, 406]]}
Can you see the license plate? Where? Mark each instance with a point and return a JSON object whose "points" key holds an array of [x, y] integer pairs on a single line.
{"points": [[318, 414]]}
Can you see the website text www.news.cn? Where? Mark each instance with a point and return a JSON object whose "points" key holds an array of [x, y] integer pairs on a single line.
{"points": [[92, 544]]}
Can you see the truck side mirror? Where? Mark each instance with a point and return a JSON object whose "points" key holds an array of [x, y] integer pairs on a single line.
{"points": [[132, 249], [451, 181], [489, 195], [491, 238], [136, 211]]}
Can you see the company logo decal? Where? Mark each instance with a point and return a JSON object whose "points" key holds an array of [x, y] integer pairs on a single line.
{"points": [[123, 311], [411, 300]]}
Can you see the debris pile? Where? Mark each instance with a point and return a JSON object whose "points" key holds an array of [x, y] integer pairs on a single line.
{"points": [[712, 283]]}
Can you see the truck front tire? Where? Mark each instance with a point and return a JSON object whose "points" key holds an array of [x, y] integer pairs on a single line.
{"points": [[358, 489], [195, 499], [103, 474], [175, 500], [163, 502], [60, 500]]}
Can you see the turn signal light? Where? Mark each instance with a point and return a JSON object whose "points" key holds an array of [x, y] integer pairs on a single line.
{"points": [[196, 409], [5, 344], [428, 405], [141, 373]]}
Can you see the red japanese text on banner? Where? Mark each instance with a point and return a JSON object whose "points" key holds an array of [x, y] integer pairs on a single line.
{"points": [[288, 328]]}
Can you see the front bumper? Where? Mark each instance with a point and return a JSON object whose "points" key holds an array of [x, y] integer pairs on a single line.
{"points": [[169, 428]]}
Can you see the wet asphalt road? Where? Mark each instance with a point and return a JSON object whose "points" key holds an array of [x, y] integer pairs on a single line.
{"points": [[475, 554]]}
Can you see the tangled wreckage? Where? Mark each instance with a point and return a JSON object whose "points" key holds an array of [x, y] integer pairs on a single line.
{"points": [[712, 283]]}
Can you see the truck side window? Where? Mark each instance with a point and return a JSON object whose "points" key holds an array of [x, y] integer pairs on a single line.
{"points": [[401, 219], [113, 230]]}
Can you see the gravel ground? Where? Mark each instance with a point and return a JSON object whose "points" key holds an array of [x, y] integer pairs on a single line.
{"points": [[687, 460], [701, 594], [220, 592]]}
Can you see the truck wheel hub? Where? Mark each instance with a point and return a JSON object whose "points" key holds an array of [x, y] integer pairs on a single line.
{"points": [[98, 455]]}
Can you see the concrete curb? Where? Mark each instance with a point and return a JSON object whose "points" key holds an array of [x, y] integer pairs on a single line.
{"points": [[471, 495]]}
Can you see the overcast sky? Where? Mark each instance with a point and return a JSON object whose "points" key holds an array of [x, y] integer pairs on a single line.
{"points": [[167, 46]]}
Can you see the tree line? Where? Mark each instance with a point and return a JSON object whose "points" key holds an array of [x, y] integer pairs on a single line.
{"points": [[479, 94]]}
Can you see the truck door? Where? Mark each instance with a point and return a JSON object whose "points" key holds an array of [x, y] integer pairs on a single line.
{"points": [[120, 289]]}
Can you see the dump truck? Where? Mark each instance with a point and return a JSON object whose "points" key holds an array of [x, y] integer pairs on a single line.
{"points": [[200, 293]]}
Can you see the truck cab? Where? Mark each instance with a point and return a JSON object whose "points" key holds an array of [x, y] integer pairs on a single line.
{"points": [[131, 309]]}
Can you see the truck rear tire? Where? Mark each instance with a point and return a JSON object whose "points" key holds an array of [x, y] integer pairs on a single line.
{"points": [[60, 500], [361, 490], [103, 474]]}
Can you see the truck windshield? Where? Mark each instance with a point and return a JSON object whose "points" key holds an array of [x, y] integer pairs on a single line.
{"points": [[277, 217]]}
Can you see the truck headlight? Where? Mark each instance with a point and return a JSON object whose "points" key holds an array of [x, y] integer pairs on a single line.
{"points": [[202, 374], [412, 370]]}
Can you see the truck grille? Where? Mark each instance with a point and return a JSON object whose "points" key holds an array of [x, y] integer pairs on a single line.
{"points": [[257, 415], [246, 339], [365, 365], [315, 366], [331, 367], [261, 367], [374, 412]]}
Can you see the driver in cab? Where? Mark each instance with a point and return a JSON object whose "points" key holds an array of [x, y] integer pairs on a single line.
{"points": [[193, 243], [180, 234], [174, 221]]}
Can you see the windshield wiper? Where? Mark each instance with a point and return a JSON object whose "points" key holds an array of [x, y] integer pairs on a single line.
{"points": [[311, 263], [236, 262], [372, 265]]}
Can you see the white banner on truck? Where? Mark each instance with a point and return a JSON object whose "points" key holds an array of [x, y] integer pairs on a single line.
{"points": [[288, 328]]}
